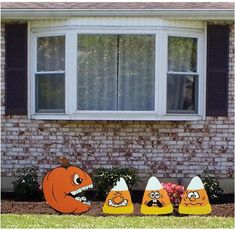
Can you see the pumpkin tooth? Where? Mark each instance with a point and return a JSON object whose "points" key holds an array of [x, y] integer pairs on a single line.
{"points": [[78, 198], [79, 190], [90, 186], [87, 202], [83, 198], [85, 188], [74, 193]]}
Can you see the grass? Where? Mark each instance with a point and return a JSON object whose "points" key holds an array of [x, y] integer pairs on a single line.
{"points": [[71, 221]]}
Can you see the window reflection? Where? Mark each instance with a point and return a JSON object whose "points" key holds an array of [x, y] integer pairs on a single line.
{"points": [[181, 91]]}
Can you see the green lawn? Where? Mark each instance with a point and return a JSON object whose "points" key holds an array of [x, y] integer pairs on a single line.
{"points": [[70, 221]]}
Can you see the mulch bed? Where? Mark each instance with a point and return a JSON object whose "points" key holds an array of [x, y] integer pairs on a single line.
{"points": [[19, 207]]}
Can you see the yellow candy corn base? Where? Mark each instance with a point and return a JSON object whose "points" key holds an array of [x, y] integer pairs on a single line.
{"points": [[195, 210], [119, 210], [155, 210]]}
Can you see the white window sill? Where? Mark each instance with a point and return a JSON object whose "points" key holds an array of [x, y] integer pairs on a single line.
{"points": [[118, 116]]}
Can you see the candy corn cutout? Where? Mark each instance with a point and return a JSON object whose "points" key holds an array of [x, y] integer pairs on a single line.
{"points": [[155, 200], [118, 200], [195, 199]]}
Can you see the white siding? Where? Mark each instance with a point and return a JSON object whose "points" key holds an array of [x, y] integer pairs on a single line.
{"points": [[117, 21]]}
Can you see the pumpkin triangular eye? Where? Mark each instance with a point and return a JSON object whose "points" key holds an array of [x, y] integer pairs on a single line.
{"points": [[77, 180]]}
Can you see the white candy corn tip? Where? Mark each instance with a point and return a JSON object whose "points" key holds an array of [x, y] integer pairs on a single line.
{"points": [[153, 184], [120, 186], [195, 184]]}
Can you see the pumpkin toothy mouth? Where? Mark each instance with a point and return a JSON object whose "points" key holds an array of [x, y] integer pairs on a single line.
{"points": [[79, 194]]}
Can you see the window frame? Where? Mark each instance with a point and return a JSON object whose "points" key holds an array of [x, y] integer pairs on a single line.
{"points": [[198, 73], [49, 72], [161, 44]]}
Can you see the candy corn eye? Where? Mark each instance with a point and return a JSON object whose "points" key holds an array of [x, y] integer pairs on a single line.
{"points": [[196, 195], [190, 195], [154, 195], [157, 195]]}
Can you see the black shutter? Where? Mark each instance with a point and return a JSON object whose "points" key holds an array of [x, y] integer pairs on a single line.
{"points": [[16, 69], [217, 70]]}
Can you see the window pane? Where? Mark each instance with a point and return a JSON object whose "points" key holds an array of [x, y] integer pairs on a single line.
{"points": [[136, 72], [182, 54], [50, 93], [182, 93], [97, 72], [51, 53]]}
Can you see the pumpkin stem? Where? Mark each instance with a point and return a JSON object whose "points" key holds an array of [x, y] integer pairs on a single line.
{"points": [[64, 162]]}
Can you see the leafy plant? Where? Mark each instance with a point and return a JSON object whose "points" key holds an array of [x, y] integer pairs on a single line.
{"points": [[212, 186], [174, 191], [26, 186], [105, 179]]}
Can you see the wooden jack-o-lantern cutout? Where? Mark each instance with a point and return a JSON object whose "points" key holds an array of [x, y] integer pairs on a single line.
{"points": [[118, 200], [195, 199], [63, 186], [155, 200]]}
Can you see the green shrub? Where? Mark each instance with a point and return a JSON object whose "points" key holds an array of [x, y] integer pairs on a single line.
{"points": [[26, 186], [104, 179], [212, 186]]}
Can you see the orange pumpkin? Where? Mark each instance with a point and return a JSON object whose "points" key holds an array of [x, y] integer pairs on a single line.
{"points": [[63, 186]]}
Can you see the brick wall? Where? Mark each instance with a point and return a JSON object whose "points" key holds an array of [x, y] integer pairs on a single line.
{"points": [[165, 149]]}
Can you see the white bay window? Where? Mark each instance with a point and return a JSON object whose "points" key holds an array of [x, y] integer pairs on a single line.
{"points": [[117, 75], [116, 72]]}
